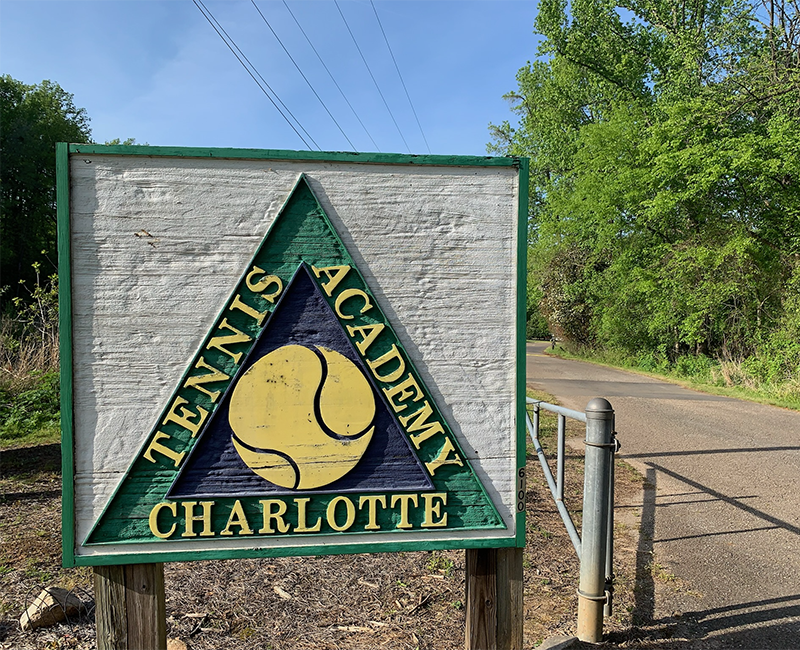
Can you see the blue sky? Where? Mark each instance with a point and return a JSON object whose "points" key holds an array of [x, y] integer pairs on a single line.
{"points": [[155, 70]]}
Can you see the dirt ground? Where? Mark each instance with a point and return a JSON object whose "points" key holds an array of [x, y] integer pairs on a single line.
{"points": [[396, 601]]}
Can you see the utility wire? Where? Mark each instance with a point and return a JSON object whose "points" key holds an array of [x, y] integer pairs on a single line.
{"points": [[231, 45], [266, 22], [400, 75], [336, 2], [264, 81], [369, 135]]}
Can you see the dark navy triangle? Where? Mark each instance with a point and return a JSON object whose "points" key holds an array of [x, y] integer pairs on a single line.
{"points": [[301, 317]]}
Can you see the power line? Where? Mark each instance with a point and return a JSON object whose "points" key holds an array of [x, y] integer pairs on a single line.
{"points": [[352, 146], [215, 24], [369, 135], [400, 75], [336, 2]]}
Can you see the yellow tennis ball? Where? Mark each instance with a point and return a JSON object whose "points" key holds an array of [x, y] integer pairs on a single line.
{"points": [[300, 419]]}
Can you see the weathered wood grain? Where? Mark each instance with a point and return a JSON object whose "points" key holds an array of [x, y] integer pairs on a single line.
{"points": [[144, 584], [481, 605], [495, 593], [111, 613], [510, 598], [130, 608], [158, 244]]}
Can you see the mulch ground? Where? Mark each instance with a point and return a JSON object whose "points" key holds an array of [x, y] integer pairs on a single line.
{"points": [[395, 601]]}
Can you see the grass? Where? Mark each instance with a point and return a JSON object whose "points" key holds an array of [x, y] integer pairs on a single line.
{"points": [[29, 356], [728, 379], [30, 411]]}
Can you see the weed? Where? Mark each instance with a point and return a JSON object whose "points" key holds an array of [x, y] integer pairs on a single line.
{"points": [[441, 564], [545, 534], [34, 572], [661, 573]]}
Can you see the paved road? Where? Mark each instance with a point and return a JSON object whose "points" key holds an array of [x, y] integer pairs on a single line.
{"points": [[723, 513]]}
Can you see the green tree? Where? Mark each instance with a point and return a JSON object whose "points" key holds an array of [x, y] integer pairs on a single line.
{"points": [[665, 188], [32, 119]]}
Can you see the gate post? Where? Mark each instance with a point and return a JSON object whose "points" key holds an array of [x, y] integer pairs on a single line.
{"points": [[592, 587]]}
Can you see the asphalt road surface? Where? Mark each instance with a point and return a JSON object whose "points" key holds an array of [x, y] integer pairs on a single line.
{"points": [[721, 518]]}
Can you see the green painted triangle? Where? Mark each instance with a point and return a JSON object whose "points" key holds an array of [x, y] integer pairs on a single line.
{"points": [[452, 497]]}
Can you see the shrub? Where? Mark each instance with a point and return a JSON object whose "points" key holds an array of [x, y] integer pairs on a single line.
{"points": [[696, 366], [33, 413], [29, 382]]}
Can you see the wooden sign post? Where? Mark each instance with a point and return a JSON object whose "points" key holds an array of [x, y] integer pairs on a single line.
{"points": [[272, 353], [130, 607], [494, 599]]}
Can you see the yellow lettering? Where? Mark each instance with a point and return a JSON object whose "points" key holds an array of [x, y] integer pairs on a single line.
{"points": [[173, 507], [268, 516], [156, 446], [404, 500], [188, 508], [368, 334], [372, 510], [434, 509], [183, 419], [210, 377], [330, 514], [263, 283], [335, 275], [347, 294], [301, 517], [392, 375], [219, 342], [247, 309], [237, 518], [442, 458], [403, 391], [420, 422]]}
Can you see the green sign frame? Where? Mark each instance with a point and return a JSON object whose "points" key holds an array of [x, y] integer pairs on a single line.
{"points": [[229, 513]]}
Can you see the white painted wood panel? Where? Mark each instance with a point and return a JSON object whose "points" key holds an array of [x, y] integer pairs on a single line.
{"points": [[159, 243]]}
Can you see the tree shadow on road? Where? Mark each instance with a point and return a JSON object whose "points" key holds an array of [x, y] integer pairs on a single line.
{"points": [[644, 591], [772, 624]]}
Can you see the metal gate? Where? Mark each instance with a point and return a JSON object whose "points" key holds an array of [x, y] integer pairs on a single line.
{"points": [[595, 545]]}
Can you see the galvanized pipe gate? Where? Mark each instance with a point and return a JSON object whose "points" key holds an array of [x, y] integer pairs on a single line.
{"points": [[595, 545]]}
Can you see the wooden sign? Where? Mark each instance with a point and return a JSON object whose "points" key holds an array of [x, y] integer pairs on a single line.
{"points": [[282, 353]]}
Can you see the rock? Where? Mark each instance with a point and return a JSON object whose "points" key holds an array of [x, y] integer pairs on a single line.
{"points": [[558, 643], [51, 606], [176, 644]]}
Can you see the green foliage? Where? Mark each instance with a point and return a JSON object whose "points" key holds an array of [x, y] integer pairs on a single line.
{"points": [[116, 141], [31, 415], [693, 365], [665, 180], [536, 324], [29, 387], [32, 119], [36, 315], [567, 294], [438, 563]]}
